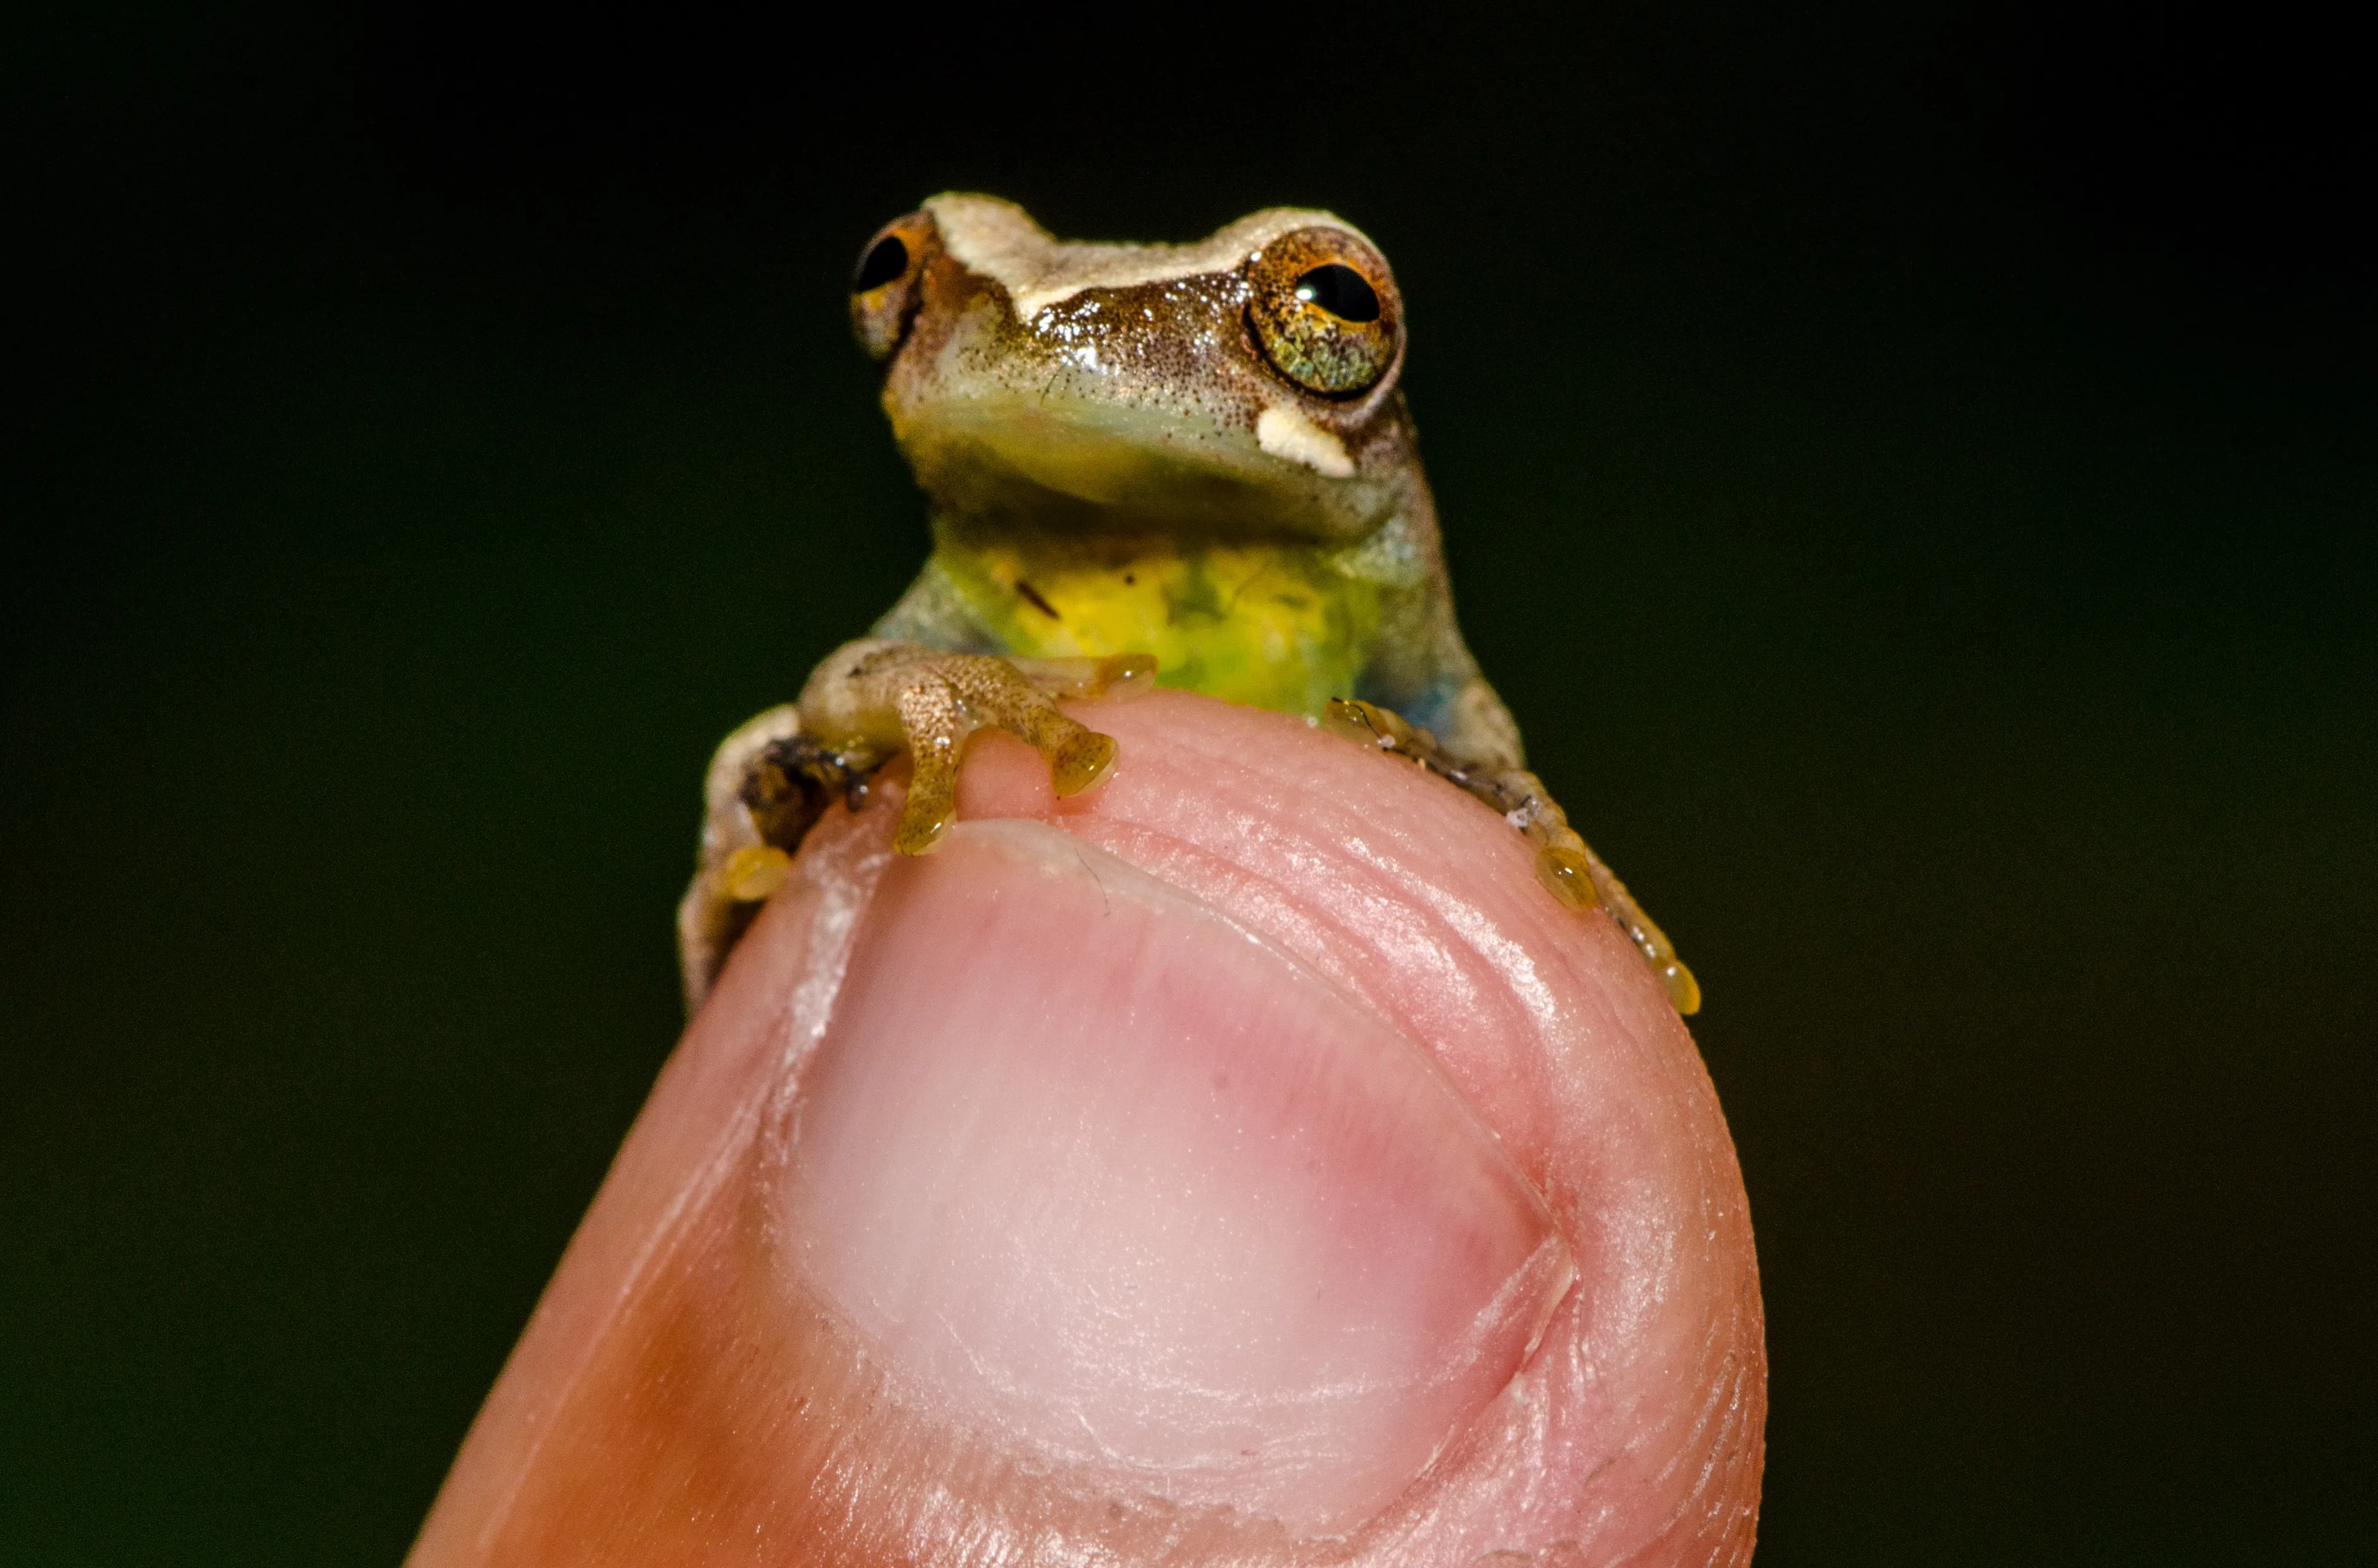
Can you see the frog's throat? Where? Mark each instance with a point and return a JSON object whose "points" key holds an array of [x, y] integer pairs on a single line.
{"points": [[998, 465], [1279, 626]]}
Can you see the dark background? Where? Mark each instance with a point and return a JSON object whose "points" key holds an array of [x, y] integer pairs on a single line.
{"points": [[1913, 478]]}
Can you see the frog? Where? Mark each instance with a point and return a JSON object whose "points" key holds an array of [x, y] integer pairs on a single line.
{"points": [[1183, 465]]}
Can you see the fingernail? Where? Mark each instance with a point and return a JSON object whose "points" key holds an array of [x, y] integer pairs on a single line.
{"points": [[1118, 1191]]}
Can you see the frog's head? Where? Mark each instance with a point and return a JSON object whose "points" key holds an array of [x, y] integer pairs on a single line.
{"points": [[1243, 386]]}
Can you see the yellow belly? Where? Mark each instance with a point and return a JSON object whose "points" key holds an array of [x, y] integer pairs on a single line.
{"points": [[1272, 626]]}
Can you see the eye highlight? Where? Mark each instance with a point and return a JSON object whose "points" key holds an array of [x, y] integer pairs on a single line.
{"points": [[888, 282], [1323, 308]]}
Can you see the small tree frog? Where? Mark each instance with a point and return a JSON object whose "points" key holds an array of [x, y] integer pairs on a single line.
{"points": [[1186, 465]]}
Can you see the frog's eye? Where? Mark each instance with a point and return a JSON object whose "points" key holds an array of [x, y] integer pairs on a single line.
{"points": [[886, 286], [1323, 307]]}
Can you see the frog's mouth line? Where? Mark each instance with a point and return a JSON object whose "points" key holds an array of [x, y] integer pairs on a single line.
{"points": [[994, 466]]}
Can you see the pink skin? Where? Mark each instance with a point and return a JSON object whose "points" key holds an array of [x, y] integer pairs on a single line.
{"points": [[1244, 1162]]}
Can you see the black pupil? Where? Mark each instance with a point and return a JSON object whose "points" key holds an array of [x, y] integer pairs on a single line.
{"points": [[885, 262], [1341, 291]]}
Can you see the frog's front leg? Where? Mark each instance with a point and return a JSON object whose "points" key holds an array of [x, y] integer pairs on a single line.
{"points": [[1565, 863], [868, 702], [874, 699]]}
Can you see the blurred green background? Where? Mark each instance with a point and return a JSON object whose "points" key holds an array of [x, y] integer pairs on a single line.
{"points": [[1913, 478]]}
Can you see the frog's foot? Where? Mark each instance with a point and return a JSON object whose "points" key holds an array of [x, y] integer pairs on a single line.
{"points": [[774, 777], [1565, 864], [873, 698], [758, 800]]}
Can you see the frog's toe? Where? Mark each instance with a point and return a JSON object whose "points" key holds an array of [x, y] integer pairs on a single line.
{"points": [[997, 691], [1581, 881], [1116, 675], [924, 820], [932, 801], [1577, 877], [1082, 763], [753, 873], [1567, 876], [1684, 992]]}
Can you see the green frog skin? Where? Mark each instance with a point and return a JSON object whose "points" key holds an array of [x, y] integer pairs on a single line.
{"points": [[1184, 465]]}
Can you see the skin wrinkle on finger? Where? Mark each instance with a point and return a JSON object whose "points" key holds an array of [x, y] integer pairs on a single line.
{"points": [[1634, 1434], [1409, 947], [1210, 1141], [1640, 1085]]}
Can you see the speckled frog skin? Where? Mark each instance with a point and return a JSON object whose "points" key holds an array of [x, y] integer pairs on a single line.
{"points": [[1119, 463], [1187, 464]]}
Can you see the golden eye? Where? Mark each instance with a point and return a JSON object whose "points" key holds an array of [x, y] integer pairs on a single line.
{"points": [[1323, 307], [888, 283]]}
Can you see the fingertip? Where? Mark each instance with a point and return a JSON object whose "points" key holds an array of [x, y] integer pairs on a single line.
{"points": [[943, 1168]]}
